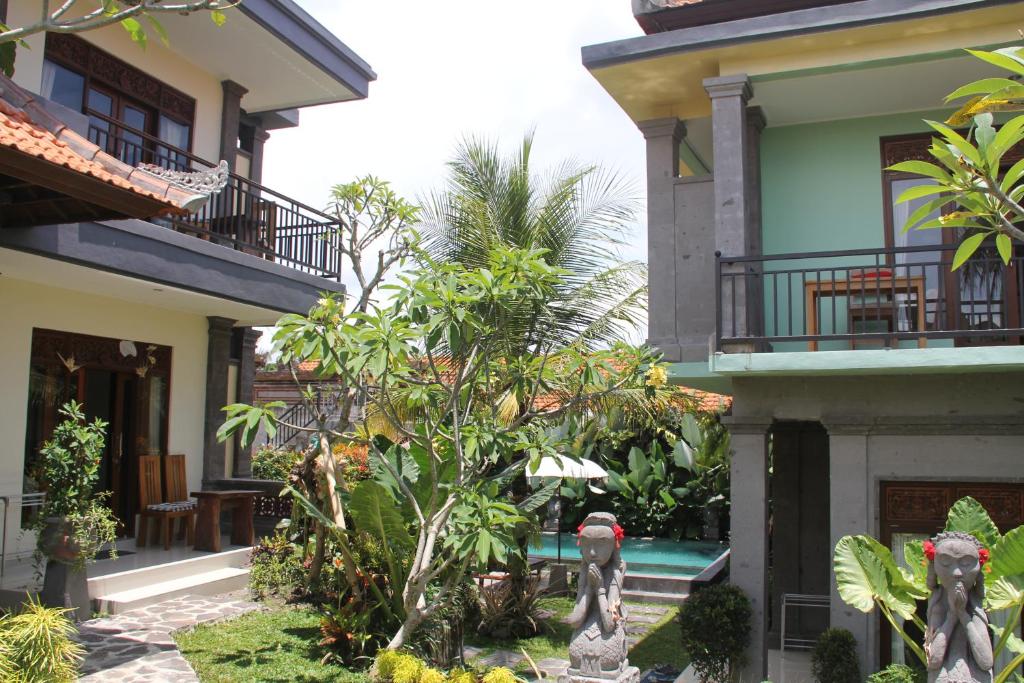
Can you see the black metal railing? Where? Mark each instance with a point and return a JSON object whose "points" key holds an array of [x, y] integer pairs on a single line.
{"points": [[868, 298], [244, 215]]}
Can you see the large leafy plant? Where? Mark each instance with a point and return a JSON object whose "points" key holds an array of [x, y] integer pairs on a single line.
{"points": [[867, 577], [69, 472], [439, 367], [969, 174], [666, 471]]}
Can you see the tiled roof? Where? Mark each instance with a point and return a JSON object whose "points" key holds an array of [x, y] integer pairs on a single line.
{"points": [[27, 127]]}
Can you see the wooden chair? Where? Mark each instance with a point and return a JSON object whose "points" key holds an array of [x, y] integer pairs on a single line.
{"points": [[153, 506], [176, 485]]}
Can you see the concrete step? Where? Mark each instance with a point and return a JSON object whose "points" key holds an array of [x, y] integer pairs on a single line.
{"points": [[156, 573], [205, 575], [212, 582], [674, 598]]}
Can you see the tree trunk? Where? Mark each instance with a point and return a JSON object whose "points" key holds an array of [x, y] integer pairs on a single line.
{"points": [[412, 622]]}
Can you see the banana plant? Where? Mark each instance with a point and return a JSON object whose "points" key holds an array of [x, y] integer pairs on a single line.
{"points": [[867, 576]]}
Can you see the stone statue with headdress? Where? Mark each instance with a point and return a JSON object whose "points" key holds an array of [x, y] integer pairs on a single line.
{"points": [[957, 645], [597, 651]]}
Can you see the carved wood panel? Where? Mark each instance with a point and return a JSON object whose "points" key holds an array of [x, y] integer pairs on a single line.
{"points": [[80, 55], [915, 148], [56, 348], [921, 507]]}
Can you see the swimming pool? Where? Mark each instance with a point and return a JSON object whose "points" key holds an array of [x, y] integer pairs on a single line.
{"points": [[655, 556]]}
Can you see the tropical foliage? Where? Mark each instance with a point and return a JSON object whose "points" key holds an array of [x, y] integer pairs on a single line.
{"points": [[577, 219], [978, 196], [69, 470], [867, 577], [668, 470], [442, 345]]}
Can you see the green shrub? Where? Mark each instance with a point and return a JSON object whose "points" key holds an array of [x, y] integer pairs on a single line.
{"points": [[834, 659], [715, 627], [69, 470], [36, 645], [273, 464], [897, 673], [276, 567]]}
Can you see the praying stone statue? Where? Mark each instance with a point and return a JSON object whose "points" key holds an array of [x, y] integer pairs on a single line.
{"points": [[597, 651], [957, 643]]}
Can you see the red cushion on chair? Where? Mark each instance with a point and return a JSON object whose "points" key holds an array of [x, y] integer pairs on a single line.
{"points": [[867, 274]]}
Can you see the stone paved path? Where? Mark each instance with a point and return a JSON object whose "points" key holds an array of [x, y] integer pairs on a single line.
{"points": [[137, 646], [641, 619]]}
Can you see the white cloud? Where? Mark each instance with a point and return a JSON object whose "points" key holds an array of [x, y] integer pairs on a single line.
{"points": [[451, 68]]}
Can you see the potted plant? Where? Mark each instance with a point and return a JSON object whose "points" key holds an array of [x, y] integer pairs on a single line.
{"points": [[74, 523]]}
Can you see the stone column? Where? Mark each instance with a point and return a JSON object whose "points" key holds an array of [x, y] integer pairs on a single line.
{"points": [[246, 378], [733, 181], [218, 355], [748, 562], [756, 123], [259, 138], [663, 138], [231, 114], [850, 514]]}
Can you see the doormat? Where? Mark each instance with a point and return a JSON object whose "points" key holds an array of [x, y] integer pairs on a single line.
{"points": [[105, 554]]}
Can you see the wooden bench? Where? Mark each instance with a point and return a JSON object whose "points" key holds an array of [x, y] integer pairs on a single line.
{"points": [[208, 519]]}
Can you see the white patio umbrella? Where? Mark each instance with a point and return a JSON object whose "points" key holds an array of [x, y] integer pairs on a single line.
{"points": [[562, 467]]}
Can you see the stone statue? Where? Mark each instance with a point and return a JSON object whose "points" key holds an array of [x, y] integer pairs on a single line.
{"points": [[957, 643], [597, 651]]}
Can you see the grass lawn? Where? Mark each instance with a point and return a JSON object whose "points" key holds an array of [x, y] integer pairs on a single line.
{"points": [[280, 645], [661, 645]]}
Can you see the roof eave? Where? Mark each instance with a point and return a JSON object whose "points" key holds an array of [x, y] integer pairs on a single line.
{"points": [[782, 25], [293, 26]]}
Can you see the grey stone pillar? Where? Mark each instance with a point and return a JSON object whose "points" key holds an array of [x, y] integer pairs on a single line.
{"points": [[246, 378], [259, 138], [218, 356], [733, 182], [756, 123], [663, 138], [748, 562], [231, 114], [850, 514]]}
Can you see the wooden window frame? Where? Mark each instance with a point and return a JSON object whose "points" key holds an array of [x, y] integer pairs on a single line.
{"points": [[103, 71]]}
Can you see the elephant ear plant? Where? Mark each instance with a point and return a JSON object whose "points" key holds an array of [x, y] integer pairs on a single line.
{"points": [[867, 576], [74, 523]]}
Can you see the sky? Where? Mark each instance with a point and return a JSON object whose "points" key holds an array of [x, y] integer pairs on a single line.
{"points": [[447, 69]]}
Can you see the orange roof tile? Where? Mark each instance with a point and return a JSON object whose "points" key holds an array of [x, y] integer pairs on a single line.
{"points": [[27, 127]]}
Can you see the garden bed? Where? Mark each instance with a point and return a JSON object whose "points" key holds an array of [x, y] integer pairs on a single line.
{"points": [[280, 644]]}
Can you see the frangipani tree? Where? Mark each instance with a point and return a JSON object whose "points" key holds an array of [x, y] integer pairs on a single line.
{"points": [[969, 175], [867, 576], [437, 363]]}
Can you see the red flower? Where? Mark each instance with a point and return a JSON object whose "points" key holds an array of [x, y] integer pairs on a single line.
{"points": [[929, 550], [983, 556], [619, 535]]}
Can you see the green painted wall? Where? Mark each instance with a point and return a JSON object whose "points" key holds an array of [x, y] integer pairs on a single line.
{"points": [[822, 184], [822, 191]]}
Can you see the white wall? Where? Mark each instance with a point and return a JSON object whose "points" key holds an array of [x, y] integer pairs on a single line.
{"points": [[156, 60], [26, 305]]}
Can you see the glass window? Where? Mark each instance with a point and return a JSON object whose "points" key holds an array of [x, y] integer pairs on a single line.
{"points": [[131, 143], [99, 129], [916, 238], [176, 135], [62, 85]]}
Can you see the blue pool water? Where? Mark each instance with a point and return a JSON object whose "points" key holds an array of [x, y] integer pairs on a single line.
{"points": [[659, 556]]}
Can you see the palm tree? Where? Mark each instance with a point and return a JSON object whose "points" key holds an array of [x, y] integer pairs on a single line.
{"points": [[579, 216]]}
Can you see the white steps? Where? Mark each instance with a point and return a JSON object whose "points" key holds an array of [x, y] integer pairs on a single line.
{"points": [[655, 597], [207, 575]]}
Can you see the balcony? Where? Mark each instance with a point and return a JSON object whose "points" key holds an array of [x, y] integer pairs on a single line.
{"points": [[868, 299], [244, 216]]}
